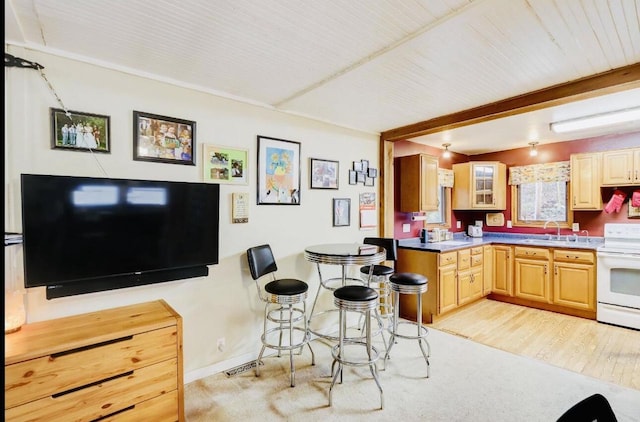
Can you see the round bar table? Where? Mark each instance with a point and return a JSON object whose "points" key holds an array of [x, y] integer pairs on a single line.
{"points": [[343, 254]]}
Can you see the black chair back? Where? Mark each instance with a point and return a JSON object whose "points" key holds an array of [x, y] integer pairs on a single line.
{"points": [[261, 261], [389, 244]]}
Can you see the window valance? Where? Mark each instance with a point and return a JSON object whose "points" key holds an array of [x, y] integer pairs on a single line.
{"points": [[548, 172], [445, 178]]}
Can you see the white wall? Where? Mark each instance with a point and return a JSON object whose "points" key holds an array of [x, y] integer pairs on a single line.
{"points": [[225, 303]]}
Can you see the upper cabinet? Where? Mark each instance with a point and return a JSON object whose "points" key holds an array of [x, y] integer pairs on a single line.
{"points": [[621, 167], [419, 183], [479, 185], [585, 181]]}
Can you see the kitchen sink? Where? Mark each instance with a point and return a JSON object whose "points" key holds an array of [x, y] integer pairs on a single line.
{"points": [[545, 241]]}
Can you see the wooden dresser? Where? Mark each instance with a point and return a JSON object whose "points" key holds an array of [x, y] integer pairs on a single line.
{"points": [[119, 364]]}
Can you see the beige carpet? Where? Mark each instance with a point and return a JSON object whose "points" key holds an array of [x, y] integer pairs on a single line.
{"points": [[469, 382]]}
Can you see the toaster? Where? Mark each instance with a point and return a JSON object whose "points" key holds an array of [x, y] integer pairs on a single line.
{"points": [[474, 231]]}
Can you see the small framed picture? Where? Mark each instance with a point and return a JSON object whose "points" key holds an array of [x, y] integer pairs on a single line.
{"points": [[341, 212], [278, 171], [368, 181], [372, 172], [360, 177], [357, 166], [324, 174], [79, 131], [162, 139], [352, 177], [225, 165], [365, 165]]}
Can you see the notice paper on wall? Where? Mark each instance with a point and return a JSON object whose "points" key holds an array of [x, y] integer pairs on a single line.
{"points": [[240, 208], [368, 215]]}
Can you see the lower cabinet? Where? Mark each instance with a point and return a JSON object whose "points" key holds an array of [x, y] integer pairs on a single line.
{"points": [[117, 364], [574, 279], [532, 280], [502, 270], [487, 269]]}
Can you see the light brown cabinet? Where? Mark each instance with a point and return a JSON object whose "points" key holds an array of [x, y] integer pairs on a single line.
{"points": [[585, 181], [447, 282], [419, 183], [502, 270], [574, 279], [479, 185], [470, 275], [621, 167], [117, 364], [487, 269], [532, 275]]}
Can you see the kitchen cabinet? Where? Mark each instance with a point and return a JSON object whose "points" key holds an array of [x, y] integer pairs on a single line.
{"points": [[479, 185], [502, 270], [621, 167], [487, 269], [470, 275], [585, 181], [447, 282], [419, 183], [574, 282], [531, 274]]}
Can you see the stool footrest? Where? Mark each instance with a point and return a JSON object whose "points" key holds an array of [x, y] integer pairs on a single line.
{"points": [[335, 351], [423, 331]]}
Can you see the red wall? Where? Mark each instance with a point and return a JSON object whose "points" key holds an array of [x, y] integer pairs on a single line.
{"points": [[593, 221]]}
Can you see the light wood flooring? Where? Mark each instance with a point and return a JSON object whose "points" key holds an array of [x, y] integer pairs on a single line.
{"points": [[585, 346]]}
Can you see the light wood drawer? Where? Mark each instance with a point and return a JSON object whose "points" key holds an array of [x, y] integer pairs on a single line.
{"points": [[49, 375], [464, 259], [573, 256], [160, 409], [447, 258], [101, 398], [532, 253], [476, 260], [476, 250]]}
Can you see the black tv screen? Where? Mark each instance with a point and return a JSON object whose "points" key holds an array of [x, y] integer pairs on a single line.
{"points": [[101, 233]]}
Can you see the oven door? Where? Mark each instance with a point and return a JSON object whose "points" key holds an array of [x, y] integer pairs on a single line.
{"points": [[619, 279]]}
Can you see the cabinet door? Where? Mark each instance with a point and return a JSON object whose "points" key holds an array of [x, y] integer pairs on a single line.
{"points": [[636, 166], [585, 182], [419, 183], [574, 285], [502, 270], [476, 283], [448, 289], [617, 167], [487, 279], [484, 184], [429, 185], [532, 279], [464, 287]]}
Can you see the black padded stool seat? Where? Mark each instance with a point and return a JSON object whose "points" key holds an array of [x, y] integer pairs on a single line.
{"points": [[355, 293], [378, 270], [408, 279], [286, 286]]}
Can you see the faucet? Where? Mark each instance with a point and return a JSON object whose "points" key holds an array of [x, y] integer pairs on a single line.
{"points": [[554, 222], [587, 232]]}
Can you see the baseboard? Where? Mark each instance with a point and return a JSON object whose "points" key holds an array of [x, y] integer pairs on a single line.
{"points": [[222, 366]]}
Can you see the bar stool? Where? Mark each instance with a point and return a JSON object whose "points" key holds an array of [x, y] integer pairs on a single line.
{"points": [[378, 279], [354, 298], [284, 293], [411, 284]]}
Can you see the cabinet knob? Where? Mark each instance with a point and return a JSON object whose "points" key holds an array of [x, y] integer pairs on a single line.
{"points": [[545, 269]]}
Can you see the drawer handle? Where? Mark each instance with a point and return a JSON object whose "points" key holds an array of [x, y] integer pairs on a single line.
{"points": [[91, 346], [63, 393], [126, 409]]}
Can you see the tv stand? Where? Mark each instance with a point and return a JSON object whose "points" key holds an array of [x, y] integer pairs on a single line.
{"points": [[123, 281]]}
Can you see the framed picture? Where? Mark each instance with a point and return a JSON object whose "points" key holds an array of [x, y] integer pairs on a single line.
{"points": [[225, 165], [365, 165], [368, 181], [79, 131], [352, 177], [162, 139], [360, 177], [357, 166], [633, 212], [278, 171], [324, 174], [341, 212], [372, 172]]}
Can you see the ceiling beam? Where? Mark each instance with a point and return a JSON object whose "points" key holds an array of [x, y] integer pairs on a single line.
{"points": [[608, 82]]}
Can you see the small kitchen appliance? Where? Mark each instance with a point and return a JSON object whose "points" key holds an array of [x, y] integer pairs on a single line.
{"points": [[618, 275], [474, 231]]}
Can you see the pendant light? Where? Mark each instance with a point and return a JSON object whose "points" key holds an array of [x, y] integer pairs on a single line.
{"points": [[533, 151], [446, 153]]}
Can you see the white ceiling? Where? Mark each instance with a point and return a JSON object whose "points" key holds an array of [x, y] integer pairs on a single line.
{"points": [[370, 65]]}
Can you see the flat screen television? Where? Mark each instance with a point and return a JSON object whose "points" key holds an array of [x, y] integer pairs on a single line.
{"points": [[84, 234]]}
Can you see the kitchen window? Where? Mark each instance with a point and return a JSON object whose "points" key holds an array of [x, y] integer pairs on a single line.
{"points": [[442, 216], [540, 193]]}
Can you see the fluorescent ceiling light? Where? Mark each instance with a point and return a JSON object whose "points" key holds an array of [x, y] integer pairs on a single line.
{"points": [[597, 120]]}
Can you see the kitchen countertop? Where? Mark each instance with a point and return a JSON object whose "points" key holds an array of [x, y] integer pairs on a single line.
{"points": [[461, 241]]}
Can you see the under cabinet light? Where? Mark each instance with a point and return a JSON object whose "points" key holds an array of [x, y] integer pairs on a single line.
{"points": [[597, 120]]}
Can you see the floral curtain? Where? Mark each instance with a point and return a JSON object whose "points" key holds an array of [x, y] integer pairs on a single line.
{"points": [[548, 172], [445, 178]]}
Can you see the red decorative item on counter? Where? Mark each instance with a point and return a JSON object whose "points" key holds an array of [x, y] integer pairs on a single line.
{"points": [[635, 199], [615, 203]]}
